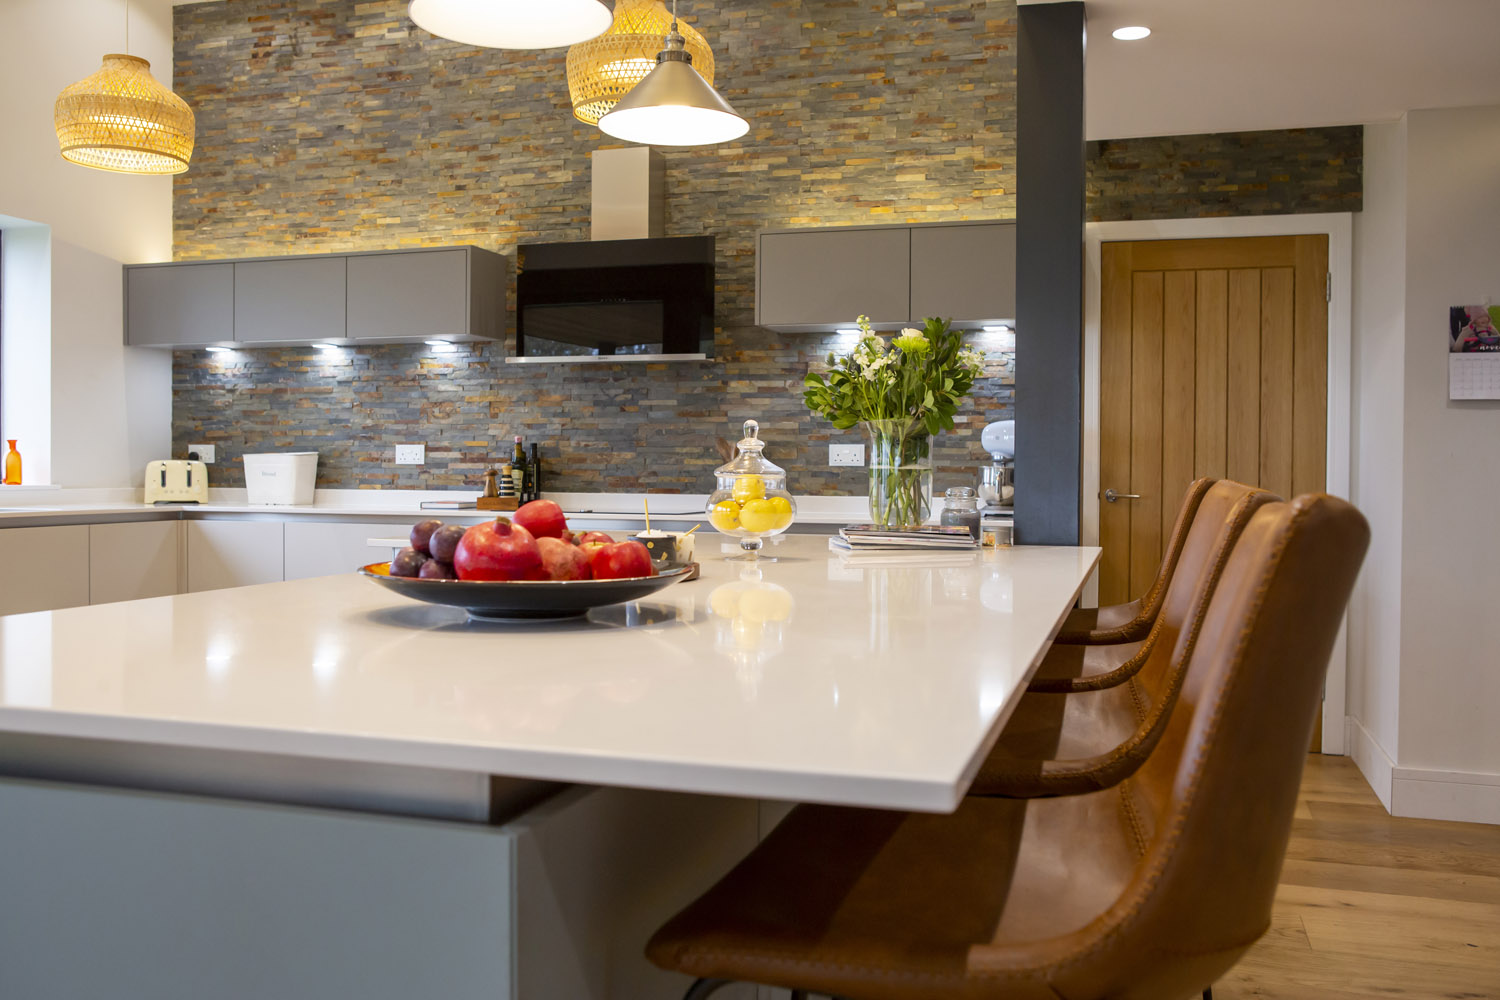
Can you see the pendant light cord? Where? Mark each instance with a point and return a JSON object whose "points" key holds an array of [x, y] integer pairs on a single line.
{"points": [[127, 26]]}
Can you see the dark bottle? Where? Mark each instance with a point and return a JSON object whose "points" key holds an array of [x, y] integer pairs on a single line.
{"points": [[535, 479], [518, 470]]}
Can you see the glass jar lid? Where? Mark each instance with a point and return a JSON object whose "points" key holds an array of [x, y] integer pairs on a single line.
{"points": [[750, 461]]}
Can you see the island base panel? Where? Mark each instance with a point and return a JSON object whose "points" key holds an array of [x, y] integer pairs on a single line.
{"points": [[154, 896]]}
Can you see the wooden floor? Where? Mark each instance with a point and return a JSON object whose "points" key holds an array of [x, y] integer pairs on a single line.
{"points": [[1372, 906]]}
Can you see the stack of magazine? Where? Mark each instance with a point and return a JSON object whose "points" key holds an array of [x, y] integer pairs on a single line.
{"points": [[879, 538]]}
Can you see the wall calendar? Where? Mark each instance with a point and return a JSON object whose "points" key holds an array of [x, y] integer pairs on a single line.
{"points": [[1474, 352]]}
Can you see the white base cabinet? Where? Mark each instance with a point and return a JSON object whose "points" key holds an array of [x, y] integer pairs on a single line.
{"points": [[324, 549], [222, 554], [132, 560], [43, 569]]}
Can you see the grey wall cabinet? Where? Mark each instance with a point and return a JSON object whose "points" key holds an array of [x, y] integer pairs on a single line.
{"points": [[170, 305], [443, 293], [818, 280], [826, 278], [289, 301], [400, 296], [967, 273]]}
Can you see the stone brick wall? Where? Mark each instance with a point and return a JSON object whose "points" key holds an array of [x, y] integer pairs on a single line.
{"points": [[1232, 173], [328, 125]]}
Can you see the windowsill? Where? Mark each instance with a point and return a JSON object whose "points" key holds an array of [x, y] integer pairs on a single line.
{"points": [[27, 486]]}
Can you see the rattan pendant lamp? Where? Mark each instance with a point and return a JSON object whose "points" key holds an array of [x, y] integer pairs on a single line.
{"points": [[604, 69], [121, 119], [673, 105]]}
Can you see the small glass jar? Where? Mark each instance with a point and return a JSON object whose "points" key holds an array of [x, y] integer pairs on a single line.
{"points": [[961, 509], [751, 502]]}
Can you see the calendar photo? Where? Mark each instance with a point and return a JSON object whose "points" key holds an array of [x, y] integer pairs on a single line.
{"points": [[1473, 329]]}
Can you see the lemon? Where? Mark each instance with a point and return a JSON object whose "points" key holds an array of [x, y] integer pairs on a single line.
{"points": [[759, 516], [725, 515], [748, 488], [783, 512]]}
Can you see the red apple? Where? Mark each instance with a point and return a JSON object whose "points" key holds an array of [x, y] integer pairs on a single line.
{"points": [[594, 537], [543, 518], [621, 561], [498, 550], [561, 561]]}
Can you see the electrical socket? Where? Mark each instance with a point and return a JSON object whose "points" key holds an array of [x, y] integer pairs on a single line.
{"points": [[411, 454], [205, 452], [846, 454]]}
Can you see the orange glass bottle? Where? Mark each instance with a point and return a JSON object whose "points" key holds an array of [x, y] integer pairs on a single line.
{"points": [[13, 465]]}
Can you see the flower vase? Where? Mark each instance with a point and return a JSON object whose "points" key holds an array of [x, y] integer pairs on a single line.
{"points": [[13, 465], [900, 471]]}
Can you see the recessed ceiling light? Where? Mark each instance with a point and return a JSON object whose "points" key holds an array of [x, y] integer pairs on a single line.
{"points": [[1132, 33], [996, 329], [439, 345], [326, 347], [848, 331], [218, 350]]}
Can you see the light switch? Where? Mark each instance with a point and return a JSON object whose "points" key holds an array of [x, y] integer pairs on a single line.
{"points": [[411, 454]]}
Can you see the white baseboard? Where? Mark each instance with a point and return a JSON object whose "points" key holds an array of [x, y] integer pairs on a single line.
{"points": [[1371, 759], [1425, 793]]}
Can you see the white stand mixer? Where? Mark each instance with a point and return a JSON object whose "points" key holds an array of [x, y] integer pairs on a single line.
{"points": [[996, 487]]}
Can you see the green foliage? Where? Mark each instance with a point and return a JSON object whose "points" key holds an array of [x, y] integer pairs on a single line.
{"points": [[922, 376]]}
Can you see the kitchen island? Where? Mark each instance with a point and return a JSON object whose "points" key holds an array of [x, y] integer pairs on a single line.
{"points": [[381, 796]]}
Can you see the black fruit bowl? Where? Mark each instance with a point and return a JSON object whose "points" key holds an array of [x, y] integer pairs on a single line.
{"points": [[524, 600]]}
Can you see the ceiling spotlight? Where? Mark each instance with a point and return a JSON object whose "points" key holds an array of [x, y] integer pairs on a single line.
{"points": [[1002, 328], [848, 331], [1132, 33], [439, 345], [218, 350], [326, 347]]}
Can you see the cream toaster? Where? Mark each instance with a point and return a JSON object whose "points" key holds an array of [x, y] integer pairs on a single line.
{"points": [[176, 481]]}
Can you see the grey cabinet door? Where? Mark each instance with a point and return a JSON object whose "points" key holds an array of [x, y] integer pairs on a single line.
{"points": [[179, 305], [289, 301], [964, 272], [404, 295], [825, 279]]}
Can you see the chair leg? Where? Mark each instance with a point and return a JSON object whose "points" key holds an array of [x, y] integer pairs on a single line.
{"points": [[1208, 993], [701, 989]]}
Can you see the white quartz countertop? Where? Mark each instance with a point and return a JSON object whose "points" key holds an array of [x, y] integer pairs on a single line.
{"points": [[811, 678], [357, 504]]}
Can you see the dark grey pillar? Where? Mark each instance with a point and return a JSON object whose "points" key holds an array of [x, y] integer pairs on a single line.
{"points": [[1049, 272]]}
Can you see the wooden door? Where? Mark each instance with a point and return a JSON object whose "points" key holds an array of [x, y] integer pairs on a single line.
{"points": [[1213, 362]]}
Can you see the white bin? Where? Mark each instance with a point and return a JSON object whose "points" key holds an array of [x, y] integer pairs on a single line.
{"points": [[281, 478]]}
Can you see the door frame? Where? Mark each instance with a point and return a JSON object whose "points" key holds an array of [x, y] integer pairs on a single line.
{"points": [[1339, 228]]}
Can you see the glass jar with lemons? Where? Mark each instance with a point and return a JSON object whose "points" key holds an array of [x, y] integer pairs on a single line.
{"points": [[751, 502]]}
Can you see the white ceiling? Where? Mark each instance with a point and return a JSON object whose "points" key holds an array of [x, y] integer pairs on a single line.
{"points": [[1240, 65]]}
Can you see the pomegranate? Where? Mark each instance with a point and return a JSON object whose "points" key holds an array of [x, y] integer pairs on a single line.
{"points": [[592, 537], [498, 550], [621, 561], [543, 518], [561, 561]]}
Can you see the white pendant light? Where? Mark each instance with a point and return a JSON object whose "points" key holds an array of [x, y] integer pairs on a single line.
{"points": [[673, 105], [512, 24]]}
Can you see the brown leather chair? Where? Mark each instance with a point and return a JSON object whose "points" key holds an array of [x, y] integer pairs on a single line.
{"points": [[1148, 890], [1130, 622], [1091, 732], [1070, 668]]}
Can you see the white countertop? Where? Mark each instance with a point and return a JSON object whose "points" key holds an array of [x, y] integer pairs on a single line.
{"points": [[819, 681], [81, 504]]}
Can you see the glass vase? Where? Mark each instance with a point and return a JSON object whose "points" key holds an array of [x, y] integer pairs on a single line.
{"points": [[900, 472]]}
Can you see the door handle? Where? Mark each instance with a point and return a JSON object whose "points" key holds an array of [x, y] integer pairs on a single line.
{"points": [[1110, 496]]}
